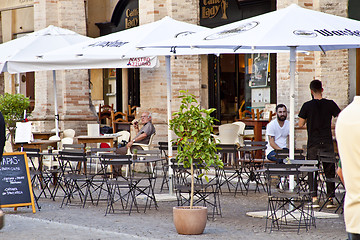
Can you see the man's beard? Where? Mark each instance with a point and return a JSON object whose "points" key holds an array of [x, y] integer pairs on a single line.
{"points": [[281, 118]]}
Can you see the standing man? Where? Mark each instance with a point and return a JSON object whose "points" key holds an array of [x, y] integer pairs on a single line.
{"points": [[348, 139], [317, 115], [277, 132]]}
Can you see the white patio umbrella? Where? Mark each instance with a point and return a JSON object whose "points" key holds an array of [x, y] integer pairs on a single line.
{"points": [[34, 44], [292, 28]]}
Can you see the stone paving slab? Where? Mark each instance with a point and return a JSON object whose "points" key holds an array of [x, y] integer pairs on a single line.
{"points": [[318, 215], [40, 229]]}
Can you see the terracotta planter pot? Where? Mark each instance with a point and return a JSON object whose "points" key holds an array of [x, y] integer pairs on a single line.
{"points": [[190, 221]]}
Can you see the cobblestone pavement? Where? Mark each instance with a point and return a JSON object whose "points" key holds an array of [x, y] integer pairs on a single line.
{"points": [[74, 222]]}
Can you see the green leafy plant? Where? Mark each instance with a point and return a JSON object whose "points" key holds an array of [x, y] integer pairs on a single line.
{"points": [[12, 107], [196, 146]]}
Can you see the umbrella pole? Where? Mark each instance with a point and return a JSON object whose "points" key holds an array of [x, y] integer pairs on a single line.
{"points": [[292, 109], [56, 106], [170, 153]]}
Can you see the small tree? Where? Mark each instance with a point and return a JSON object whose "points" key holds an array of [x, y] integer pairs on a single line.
{"points": [[12, 107], [194, 126]]}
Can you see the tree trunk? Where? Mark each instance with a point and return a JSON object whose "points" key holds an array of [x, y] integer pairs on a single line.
{"points": [[192, 187]]}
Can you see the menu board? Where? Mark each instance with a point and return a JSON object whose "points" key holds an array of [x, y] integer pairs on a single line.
{"points": [[15, 183]]}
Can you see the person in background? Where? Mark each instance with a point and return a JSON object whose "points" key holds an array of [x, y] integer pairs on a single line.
{"points": [[277, 133], [348, 139], [317, 115], [142, 135]]}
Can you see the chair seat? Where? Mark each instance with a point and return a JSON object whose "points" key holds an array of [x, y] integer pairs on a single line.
{"points": [[289, 194], [119, 182]]}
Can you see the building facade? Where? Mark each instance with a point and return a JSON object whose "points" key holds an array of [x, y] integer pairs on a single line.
{"points": [[223, 82]]}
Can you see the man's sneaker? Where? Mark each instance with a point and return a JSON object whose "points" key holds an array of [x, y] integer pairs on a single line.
{"points": [[331, 204], [315, 203]]}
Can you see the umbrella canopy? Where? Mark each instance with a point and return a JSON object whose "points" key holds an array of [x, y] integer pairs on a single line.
{"points": [[34, 44], [306, 29], [115, 50], [118, 50]]}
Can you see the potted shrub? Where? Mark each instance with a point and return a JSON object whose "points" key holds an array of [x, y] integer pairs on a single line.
{"points": [[12, 107], [193, 127]]}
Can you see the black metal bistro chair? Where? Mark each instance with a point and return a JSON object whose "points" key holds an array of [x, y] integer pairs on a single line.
{"points": [[39, 178], [332, 189], [76, 182], [119, 188], [290, 209]]}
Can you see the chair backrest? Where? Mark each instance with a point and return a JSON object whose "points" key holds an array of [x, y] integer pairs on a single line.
{"points": [[228, 133], [33, 154], [258, 114], [117, 117], [240, 132], [54, 137], [99, 151], [131, 112], [269, 111], [164, 147], [280, 170], [109, 159], [246, 114], [284, 153], [123, 136], [66, 141], [69, 133], [151, 138], [142, 145], [68, 157], [329, 158], [105, 112], [79, 147]]}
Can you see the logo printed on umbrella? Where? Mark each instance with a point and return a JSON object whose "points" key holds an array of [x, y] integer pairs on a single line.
{"points": [[183, 34], [305, 33], [140, 61], [116, 43], [231, 32], [345, 32]]}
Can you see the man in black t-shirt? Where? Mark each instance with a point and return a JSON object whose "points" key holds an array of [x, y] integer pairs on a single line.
{"points": [[317, 115]]}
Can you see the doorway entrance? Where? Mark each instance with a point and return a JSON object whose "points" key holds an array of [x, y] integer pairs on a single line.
{"points": [[240, 80]]}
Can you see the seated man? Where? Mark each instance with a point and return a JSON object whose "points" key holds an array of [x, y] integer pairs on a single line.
{"points": [[143, 135], [277, 133]]}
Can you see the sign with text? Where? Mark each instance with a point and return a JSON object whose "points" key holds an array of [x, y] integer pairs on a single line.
{"points": [[13, 4], [15, 182]]}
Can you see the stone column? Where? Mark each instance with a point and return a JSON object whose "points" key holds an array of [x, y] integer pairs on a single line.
{"points": [[72, 85]]}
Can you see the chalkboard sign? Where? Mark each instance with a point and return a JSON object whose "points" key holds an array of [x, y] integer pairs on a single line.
{"points": [[15, 183]]}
